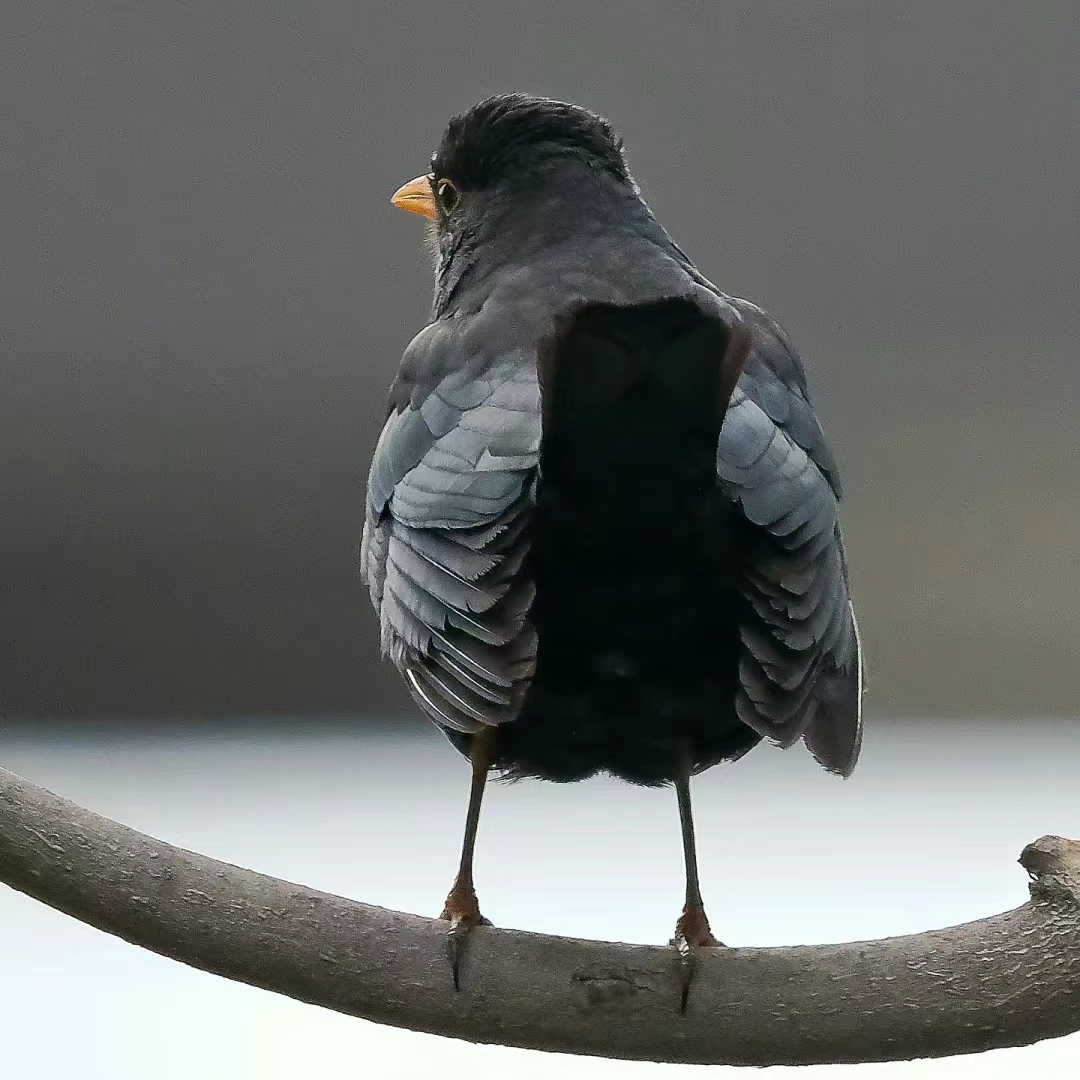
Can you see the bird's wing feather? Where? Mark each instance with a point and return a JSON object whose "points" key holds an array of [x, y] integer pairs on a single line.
{"points": [[450, 491], [800, 666], [775, 378]]}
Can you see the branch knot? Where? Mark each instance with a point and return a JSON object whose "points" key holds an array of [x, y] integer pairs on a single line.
{"points": [[1054, 865]]}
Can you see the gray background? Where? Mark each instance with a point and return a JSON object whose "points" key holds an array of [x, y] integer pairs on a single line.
{"points": [[205, 292]]}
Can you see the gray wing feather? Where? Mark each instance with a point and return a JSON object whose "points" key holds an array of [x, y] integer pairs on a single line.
{"points": [[801, 667], [450, 491]]}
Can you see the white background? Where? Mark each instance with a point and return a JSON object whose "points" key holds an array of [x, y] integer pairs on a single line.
{"points": [[926, 834]]}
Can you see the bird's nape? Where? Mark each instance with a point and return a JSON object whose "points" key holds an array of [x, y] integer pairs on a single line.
{"points": [[512, 132]]}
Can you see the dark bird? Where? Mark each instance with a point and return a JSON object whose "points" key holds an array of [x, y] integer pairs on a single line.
{"points": [[601, 529]]}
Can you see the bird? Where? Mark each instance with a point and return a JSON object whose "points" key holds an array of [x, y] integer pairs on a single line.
{"points": [[601, 530]]}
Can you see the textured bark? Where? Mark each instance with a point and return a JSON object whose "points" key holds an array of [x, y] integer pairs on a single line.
{"points": [[1008, 980]]}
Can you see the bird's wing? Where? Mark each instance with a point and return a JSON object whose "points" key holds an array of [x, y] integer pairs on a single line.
{"points": [[800, 666], [450, 491]]}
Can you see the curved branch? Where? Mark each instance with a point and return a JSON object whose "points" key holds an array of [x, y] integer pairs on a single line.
{"points": [[1008, 980]]}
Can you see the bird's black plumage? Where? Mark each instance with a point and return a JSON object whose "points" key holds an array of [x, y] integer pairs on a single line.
{"points": [[602, 517], [505, 137], [637, 605]]}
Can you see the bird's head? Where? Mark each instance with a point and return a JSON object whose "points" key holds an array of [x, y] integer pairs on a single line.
{"points": [[493, 156], [500, 143]]}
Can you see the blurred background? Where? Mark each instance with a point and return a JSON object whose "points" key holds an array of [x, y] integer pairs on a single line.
{"points": [[925, 834], [204, 293]]}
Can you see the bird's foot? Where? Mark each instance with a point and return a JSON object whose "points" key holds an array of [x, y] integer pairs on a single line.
{"points": [[692, 932], [462, 911]]}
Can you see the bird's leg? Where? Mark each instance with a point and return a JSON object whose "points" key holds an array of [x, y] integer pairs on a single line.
{"points": [[692, 926], [692, 930], [462, 909]]}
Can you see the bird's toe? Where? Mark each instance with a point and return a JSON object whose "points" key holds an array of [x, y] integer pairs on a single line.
{"points": [[692, 933], [692, 928], [463, 914]]}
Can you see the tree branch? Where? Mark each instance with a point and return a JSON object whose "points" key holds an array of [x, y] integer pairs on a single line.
{"points": [[1009, 980]]}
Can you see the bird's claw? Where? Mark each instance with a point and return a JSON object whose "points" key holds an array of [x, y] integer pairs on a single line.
{"points": [[463, 913], [692, 932]]}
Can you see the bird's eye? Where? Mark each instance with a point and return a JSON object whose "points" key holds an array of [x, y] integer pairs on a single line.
{"points": [[447, 195]]}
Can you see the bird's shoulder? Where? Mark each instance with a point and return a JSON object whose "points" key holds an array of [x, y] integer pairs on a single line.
{"points": [[462, 435], [774, 380]]}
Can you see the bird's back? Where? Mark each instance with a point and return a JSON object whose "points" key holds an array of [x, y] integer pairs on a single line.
{"points": [[632, 553]]}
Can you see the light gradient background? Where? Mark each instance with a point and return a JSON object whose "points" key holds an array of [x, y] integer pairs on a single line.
{"points": [[203, 295], [925, 834]]}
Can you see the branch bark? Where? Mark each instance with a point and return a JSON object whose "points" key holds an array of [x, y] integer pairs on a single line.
{"points": [[1008, 980]]}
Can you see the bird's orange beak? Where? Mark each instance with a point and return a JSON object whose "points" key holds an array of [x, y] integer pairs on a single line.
{"points": [[416, 197]]}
